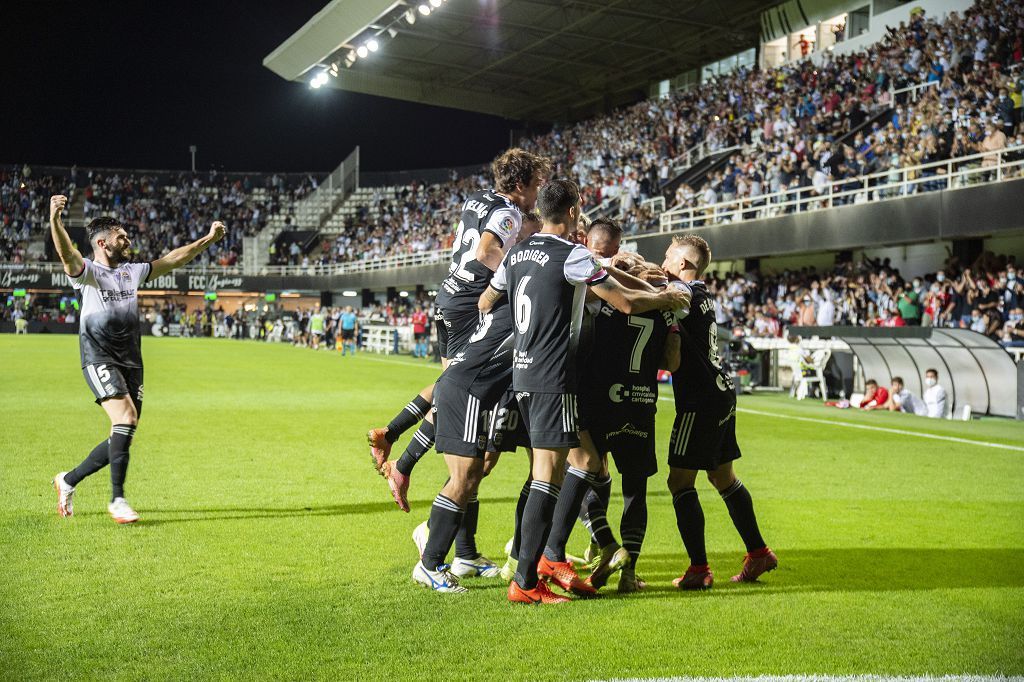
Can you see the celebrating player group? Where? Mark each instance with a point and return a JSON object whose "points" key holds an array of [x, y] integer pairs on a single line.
{"points": [[551, 340]]}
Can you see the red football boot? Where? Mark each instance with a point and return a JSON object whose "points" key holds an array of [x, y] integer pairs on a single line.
{"points": [[695, 578], [756, 563], [541, 594], [563, 574], [380, 448]]}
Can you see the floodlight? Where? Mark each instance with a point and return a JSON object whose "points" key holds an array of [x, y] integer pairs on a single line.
{"points": [[392, 32], [373, 45], [362, 51], [435, 3], [424, 9], [410, 17]]}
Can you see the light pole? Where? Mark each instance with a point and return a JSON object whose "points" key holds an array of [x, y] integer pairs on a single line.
{"points": [[192, 150]]}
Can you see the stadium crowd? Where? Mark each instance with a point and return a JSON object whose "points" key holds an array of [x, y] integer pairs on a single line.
{"points": [[987, 297], [24, 201]]}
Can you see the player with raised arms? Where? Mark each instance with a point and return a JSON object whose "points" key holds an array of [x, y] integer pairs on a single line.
{"points": [[110, 341], [704, 432], [490, 223]]}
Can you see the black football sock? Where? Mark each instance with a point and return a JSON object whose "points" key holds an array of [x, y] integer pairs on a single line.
{"points": [[517, 537], [416, 410], [465, 539], [120, 443], [634, 515], [536, 526], [594, 512], [741, 509], [690, 520], [94, 461], [420, 445], [577, 483], [445, 517]]}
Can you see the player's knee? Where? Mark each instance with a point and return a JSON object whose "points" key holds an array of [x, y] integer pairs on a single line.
{"points": [[721, 479]]}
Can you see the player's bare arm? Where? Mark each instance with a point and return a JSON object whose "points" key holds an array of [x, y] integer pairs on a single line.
{"points": [[672, 356], [489, 251], [69, 255], [632, 301], [185, 254], [489, 298]]}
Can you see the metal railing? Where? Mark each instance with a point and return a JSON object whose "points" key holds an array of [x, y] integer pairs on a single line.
{"points": [[913, 92], [894, 183], [437, 257]]}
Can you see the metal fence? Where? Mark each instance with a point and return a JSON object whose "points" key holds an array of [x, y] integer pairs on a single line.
{"points": [[890, 184]]}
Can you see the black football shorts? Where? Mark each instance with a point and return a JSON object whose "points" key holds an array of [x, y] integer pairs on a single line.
{"points": [[109, 381]]}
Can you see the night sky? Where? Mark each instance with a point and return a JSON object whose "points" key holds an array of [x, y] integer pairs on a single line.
{"points": [[132, 84]]}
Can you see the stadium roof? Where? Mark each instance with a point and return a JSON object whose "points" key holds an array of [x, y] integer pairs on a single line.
{"points": [[540, 60]]}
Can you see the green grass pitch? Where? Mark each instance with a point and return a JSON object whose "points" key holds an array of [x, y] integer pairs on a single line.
{"points": [[269, 548]]}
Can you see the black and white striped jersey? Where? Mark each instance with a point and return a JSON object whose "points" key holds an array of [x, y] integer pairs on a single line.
{"points": [[109, 330], [546, 280], [484, 211], [702, 383]]}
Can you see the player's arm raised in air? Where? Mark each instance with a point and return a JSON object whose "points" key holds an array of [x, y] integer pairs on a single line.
{"points": [[69, 255], [183, 255], [634, 301]]}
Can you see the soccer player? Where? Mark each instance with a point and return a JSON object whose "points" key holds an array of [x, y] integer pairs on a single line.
{"points": [[619, 395], [546, 278], [316, 327], [349, 330], [704, 432], [110, 341], [491, 222]]}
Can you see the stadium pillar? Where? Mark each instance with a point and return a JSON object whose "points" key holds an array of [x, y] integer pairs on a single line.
{"points": [[326, 299], [751, 264], [966, 251], [368, 298], [392, 294]]}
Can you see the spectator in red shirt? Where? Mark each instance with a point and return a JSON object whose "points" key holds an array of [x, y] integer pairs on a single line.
{"points": [[419, 331], [875, 396]]}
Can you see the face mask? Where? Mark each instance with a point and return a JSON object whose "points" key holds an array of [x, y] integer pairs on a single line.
{"points": [[917, 284], [1002, 281], [935, 288], [1012, 276], [940, 277], [929, 382]]}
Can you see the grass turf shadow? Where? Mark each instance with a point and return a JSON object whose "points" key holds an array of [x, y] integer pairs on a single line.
{"points": [[862, 569]]}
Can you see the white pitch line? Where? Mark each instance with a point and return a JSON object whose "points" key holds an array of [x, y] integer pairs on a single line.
{"points": [[883, 429], [831, 678], [813, 420]]}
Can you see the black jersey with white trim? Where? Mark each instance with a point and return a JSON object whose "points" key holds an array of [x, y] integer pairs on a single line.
{"points": [[622, 369], [701, 383], [484, 211], [109, 329], [546, 278]]}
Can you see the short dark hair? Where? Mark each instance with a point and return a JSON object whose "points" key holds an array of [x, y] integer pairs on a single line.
{"points": [[518, 168], [871, 382], [556, 198], [898, 380], [932, 370], [700, 245], [609, 226], [101, 227]]}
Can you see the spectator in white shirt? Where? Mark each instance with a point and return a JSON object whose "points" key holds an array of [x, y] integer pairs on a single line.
{"points": [[934, 395], [902, 400]]}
